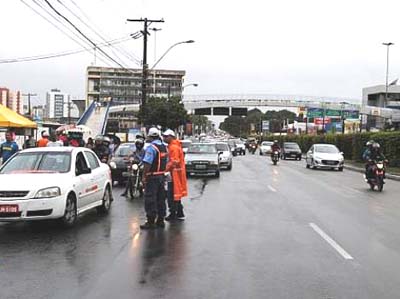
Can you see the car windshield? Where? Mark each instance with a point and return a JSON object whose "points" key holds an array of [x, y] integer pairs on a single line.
{"points": [[38, 162], [326, 149], [291, 146], [202, 149], [124, 151], [267, 143], [222, 147]]}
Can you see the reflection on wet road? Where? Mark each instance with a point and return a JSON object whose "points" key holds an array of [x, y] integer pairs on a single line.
{"points": [[246, 235]]}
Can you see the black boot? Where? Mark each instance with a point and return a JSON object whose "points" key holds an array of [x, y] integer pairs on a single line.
{"points": [[180, 215], [160, 222], [171, 216], [149, 224]]}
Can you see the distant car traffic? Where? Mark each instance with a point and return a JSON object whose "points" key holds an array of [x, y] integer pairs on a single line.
{"points": [[203, 159], [232, 145], [53, 183], [325, 156], [265, 148], [291, 150], [241, 147], [120, 161], [226, 156]]}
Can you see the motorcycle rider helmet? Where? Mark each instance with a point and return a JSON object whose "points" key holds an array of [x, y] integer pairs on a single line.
{"points": [[139, 143], [140, 136], [275, 142], [98, 139], [376, 146], [106, 140], [369, 143]]}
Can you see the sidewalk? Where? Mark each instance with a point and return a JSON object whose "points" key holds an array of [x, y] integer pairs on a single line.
{"points": [[354, 166]]}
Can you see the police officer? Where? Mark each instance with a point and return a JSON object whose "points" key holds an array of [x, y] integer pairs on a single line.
{"points": [[155, 163]]}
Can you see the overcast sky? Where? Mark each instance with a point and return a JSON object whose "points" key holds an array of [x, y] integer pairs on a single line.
{"points": [[309, 47]]}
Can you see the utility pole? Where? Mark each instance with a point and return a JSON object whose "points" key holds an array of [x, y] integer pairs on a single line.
{"points": [[145, 32], [29, 95], [387, 70], [155, 30]]}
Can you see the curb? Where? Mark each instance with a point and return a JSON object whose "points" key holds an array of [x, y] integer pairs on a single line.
{"points": [[361, 170]]}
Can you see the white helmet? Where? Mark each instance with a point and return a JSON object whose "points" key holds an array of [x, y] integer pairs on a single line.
{"points": [[169, 133], [153, 132]]}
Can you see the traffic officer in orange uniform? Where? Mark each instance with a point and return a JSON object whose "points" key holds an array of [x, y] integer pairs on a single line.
{"points": [[177, 188]]}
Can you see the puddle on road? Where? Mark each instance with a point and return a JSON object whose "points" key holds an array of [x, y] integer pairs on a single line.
{"points": [[200, 186]]}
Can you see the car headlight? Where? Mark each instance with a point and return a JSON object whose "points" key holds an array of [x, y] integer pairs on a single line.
{"points": [[214, 163], [48, 192], [188, 162], [113, 165], [135, 167]]}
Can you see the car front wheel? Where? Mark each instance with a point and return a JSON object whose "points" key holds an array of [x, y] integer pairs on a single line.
{"points": [[70, 213]]}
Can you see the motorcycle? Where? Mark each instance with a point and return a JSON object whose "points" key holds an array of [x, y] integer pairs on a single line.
{"points": [[134, 175], [252, 148], [275, 157], [377, 175]]}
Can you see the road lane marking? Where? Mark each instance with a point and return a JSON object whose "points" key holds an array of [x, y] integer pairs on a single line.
{"points": [[271, 188], [331, 242]]}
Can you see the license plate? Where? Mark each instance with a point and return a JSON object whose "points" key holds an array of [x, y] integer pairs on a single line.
{"points": [[331, 162], [200, 166], [8, 208]]}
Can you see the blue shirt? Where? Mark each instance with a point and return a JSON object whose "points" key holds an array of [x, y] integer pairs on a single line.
{"points": [[8, 149], [151, 152]]}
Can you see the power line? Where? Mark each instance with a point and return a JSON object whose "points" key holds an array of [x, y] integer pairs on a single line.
{"points": [[58, 28], [56, 55], [88, 26], [81, 33]]}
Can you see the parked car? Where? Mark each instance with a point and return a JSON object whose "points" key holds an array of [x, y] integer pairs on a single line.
{"points": [[203, 159], [325, 156], [53, 183], [120, 161], [291, 150], [265, 148], [225, 156]]}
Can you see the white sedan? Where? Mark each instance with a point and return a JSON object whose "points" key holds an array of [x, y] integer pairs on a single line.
{"points": [[53, 183], [325, 156], [265, 148]]}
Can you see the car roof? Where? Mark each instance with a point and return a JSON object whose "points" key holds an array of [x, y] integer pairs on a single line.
{"points": [[323, 144]]}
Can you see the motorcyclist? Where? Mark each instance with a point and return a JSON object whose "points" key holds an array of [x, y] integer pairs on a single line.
{"points": [[136, 156], [275, 147], [368, 150], [374, 155]]}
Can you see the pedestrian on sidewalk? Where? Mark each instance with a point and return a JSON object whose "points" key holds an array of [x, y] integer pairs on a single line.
{"points": [[8, 148], [177, 187], [155, 164]]}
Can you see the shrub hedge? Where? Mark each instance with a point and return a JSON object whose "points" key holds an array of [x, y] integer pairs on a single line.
{"points": [[352, 145]]}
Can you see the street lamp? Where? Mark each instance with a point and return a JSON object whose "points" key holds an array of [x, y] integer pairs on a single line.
{"points": [[169, 49], [191, 84], [387, 70]]}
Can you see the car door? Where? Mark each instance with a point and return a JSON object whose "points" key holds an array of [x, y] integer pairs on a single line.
{"points": [[98, 176], [84, 181]]}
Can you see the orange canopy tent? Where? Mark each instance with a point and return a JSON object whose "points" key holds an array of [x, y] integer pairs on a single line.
{"points": [[11, 119]]}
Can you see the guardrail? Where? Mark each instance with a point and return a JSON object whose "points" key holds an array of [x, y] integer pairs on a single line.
{"points": [[85, 116]]}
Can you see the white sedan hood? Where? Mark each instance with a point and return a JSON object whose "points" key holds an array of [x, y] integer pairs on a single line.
{"points": [[32, 181]]}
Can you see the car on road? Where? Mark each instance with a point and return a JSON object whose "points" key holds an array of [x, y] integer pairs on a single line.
{"points": [[241, 147], [185, 145], [265, 148], [53, 183], [291, 150], [120, 161], [225, 158], [234, 149], [203, 159], [325, 156]]}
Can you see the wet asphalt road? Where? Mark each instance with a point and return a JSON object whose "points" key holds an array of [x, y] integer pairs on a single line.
{"points": [[252, 233]]}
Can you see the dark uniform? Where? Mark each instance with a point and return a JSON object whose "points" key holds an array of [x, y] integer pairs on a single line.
{"points": [[156, 155]]}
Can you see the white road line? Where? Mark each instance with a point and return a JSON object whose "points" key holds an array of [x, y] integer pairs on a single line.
{"points": [[272, 188], [331, 242]]}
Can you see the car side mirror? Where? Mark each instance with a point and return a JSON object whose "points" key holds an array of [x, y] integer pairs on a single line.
{"points": [[220, 153]]}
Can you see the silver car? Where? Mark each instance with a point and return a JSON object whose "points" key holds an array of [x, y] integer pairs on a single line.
{"points": [[203, 159], [265, 148], [325, 156], [226, 157]]}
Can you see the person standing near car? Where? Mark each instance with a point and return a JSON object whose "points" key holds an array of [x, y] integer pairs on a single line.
{"points": [[155, 164], [8, 148], [42, 142], [177, 188]]}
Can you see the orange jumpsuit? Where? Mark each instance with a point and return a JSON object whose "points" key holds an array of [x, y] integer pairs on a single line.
{"points": [[176, 165]]}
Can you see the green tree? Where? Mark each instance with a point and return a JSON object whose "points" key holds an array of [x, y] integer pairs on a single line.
{"points": [[201, 122], [166, 113], [235, 125]]}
